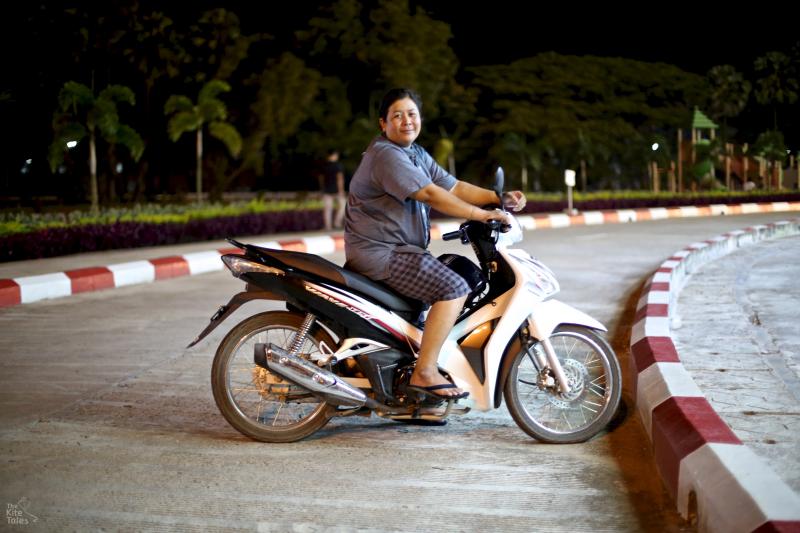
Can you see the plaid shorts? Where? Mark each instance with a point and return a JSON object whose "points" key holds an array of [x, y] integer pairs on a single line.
{"points": [[422, 277]]}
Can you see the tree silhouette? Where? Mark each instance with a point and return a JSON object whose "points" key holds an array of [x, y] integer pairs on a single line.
{"points": [[82, 114], [728, 96], [777, 84], [186, 116]]}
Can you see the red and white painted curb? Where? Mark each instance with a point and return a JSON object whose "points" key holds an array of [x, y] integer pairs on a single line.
{"points": [[22, 290], [705, 467]]}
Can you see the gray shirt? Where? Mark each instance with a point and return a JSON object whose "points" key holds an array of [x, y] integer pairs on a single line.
{"points": [[381, 217]]}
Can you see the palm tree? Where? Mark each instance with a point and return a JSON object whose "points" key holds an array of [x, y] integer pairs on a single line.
{"points": [[771, 146], [83, 114], [729, 94], [777, 85], [188, 116]]}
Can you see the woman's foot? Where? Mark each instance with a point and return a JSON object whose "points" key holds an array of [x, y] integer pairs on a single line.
{"points": [[435, 384]]}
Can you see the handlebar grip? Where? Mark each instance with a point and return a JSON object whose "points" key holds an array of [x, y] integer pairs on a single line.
{"points": [[498, 225], [494, 224], [451, 235]]}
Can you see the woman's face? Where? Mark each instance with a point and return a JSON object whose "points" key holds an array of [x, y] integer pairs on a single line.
{"points": [[402, 124]]}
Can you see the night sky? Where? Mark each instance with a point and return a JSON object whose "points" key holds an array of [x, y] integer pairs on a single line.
{"points": [[690, 35], [497, 32]]}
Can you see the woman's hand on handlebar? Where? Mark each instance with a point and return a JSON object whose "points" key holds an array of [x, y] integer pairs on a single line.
{"points": [[496, 214], [514, 200]]}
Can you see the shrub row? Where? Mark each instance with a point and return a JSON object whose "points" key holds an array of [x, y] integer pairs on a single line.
{"points": [[58, 241], [119, 234]]}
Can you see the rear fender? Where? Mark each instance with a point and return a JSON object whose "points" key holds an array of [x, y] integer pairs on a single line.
{"points": [[227, 310]]}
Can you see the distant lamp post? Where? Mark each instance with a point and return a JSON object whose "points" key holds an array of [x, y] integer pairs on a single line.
{"points": [[72, 144], [569, 181], [656, 183]]}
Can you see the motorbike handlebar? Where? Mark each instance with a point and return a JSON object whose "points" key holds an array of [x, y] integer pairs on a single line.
{"points": [[499, 225], [451, 235]]}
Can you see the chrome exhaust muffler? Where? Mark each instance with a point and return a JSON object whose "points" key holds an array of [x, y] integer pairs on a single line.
{"points": [[306, 374]]}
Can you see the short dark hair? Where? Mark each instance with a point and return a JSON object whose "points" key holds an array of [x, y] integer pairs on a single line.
{"points": [[394, 95]]}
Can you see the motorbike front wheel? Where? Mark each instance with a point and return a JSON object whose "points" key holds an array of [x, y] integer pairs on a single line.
{"points": [[594, 377], [255, 401]]}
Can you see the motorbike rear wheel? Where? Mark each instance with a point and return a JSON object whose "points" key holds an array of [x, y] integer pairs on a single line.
{"points": [[255, 401], [593, 373]]}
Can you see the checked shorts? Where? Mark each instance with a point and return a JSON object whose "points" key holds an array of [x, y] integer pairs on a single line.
{"points": [[422, 277]]}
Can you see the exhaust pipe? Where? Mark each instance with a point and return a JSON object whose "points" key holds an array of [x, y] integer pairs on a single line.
{"points": [[319, 381]]}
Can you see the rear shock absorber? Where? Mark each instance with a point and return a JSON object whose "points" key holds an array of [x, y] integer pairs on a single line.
{"points": [[302, 333]]}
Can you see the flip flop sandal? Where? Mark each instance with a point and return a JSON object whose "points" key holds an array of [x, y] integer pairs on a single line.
{"points": [[429, 391]]}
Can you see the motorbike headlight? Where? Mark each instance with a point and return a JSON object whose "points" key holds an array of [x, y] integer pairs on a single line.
{"points": [[239, 265]]}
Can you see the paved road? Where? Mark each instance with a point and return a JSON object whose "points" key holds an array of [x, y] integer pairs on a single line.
{"points": [[107, 422], [740, 341]]}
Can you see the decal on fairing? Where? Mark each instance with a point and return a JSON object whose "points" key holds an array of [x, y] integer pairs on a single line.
{"points": [[358, 306]]}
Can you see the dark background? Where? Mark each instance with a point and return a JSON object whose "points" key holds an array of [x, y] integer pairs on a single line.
{"points": [[484, 33]]}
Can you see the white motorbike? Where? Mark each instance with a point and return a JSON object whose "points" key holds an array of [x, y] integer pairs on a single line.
{"points": [[347, 345]]}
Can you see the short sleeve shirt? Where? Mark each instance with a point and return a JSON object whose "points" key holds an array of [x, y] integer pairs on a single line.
{"points": [[381, 216]]}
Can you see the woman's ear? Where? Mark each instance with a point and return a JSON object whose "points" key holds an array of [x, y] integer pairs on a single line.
{"points": [[382, 124]]}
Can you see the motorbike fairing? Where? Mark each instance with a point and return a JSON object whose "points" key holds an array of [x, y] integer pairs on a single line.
{"points": [[512, 310]]}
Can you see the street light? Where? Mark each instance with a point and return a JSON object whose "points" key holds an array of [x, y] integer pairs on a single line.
{"points": [[654, 147], [72, 144]]}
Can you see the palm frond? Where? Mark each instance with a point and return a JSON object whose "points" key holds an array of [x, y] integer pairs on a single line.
{"points": [[178, 103], [212, 89], [131, 139], [118, 94], [228, 135], [73, 95], [104, 116], [182, 122], [212, 109]]}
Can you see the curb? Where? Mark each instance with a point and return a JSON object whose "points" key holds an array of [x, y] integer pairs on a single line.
{"points": [[28, 289], [710, 473]]}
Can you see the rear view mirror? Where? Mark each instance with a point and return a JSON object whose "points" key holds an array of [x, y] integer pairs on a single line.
{"points": [[499, 183]]}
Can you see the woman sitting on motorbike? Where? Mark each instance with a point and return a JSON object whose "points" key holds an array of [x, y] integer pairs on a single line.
{"points": [[387, 227]]}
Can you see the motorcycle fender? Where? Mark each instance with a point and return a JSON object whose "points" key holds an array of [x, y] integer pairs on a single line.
{"points": [[543, 319], [546, 316], [227, 310]]}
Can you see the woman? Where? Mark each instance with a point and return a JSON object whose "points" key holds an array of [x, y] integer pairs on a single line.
{"points": [[387, 228]]}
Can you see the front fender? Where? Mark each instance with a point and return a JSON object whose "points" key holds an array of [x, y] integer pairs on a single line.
{"points": [[546, 316], [543, 319]]}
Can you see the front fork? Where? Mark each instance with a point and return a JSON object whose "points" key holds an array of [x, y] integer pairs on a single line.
{"points": [[550, 360]]}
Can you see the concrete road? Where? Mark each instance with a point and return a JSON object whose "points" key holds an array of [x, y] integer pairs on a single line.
{"points": [[108, 423]]}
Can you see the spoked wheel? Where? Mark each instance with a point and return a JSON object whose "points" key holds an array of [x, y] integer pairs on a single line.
{"points": [[593, 373], [255, 401]]}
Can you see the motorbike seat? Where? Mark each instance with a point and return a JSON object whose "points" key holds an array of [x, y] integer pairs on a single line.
{"points": [[327, 270]]}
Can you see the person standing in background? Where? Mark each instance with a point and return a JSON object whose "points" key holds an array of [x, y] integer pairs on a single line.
{"points": [[332, 185]]}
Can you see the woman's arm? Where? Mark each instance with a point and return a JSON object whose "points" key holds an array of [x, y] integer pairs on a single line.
{"points": [[474, 195], [451, 205]]}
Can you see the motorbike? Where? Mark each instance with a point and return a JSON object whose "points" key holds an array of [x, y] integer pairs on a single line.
{"points": [[346, 345]]}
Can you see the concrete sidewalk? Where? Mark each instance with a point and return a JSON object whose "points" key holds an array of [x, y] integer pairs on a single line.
{"points": [[739, 339], [725, 359]]}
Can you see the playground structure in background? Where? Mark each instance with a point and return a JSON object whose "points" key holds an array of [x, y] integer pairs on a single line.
{"points": [[740, 170]]}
